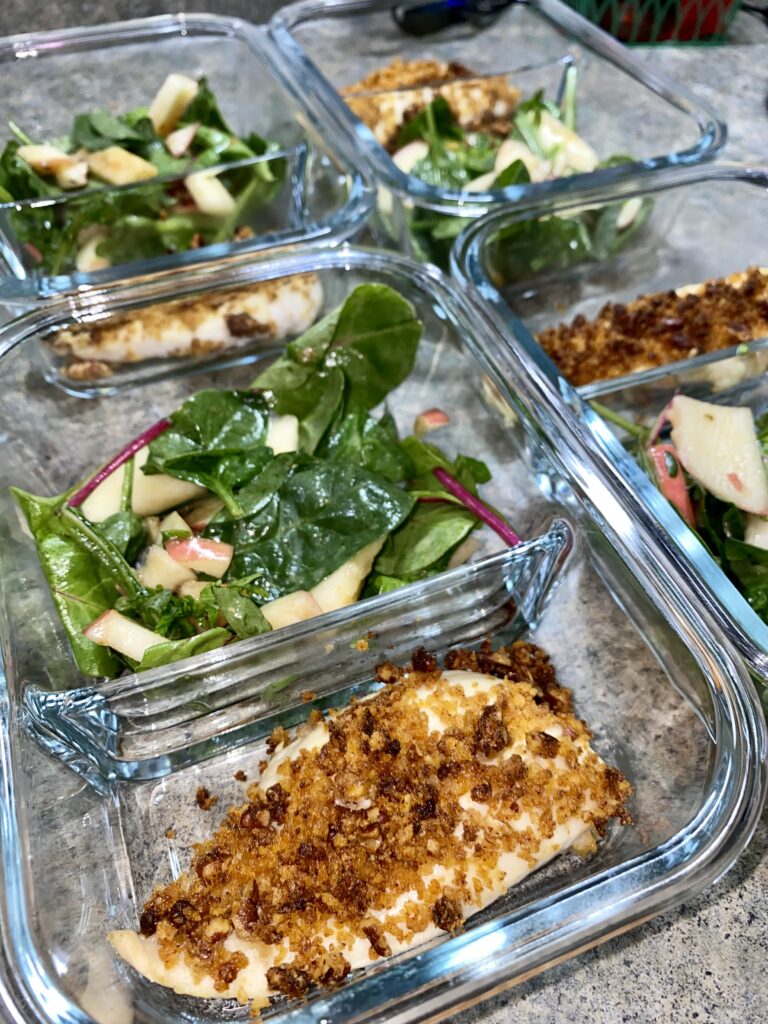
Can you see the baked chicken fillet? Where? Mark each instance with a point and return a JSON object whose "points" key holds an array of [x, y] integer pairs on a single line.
{"points": [[379, 827]]}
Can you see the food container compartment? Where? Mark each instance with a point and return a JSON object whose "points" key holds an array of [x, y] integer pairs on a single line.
{"points": [[622, 107], [651, 673], [51, 77], [700, 226]]}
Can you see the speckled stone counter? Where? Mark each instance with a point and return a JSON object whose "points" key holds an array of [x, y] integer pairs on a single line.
{"points": [[705, 961]]}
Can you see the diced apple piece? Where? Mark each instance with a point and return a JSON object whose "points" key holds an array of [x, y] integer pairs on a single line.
{"points": [[432, 419], [296, 607], [717, 445], [342, 587], [202, 512], [628, 212], [574, 154], [152, 524], [209, 194], [209, 556], [122, 634], [87, 259], [172, 99], [104, 501], [193, 588], [671, 479], [174, 523], [511, 150], [463, 552], [283, 434], [158, 492], [406, 158], [160, 570], [178, 142], [74, 175], [756, 532], [482, 184], [118, 166], [44, 158]]}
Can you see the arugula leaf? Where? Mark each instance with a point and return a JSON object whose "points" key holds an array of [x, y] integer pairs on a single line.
{"points": [[82, 587], [435, 121], [176, 650], [316, 519], [216, 440]]}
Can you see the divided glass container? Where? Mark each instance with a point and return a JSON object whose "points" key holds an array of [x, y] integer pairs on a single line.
{"points": [[652, 673], [624, 108], [304, 190], [699, 225]]}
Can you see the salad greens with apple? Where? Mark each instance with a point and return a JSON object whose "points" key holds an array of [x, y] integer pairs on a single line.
{"points": [[542, 144], [137, 185], [708, 461], [249, 510]]}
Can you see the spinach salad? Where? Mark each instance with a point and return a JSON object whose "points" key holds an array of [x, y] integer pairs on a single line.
{"points": [[137, 185], [246, 510], [541, 144], [708, 461]]}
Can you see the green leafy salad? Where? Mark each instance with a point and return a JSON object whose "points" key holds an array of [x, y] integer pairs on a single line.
{"points": [[541, 144], [248, 510], [137, 185], [708, 461]]}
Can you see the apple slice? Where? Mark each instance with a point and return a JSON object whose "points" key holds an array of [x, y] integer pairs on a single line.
{"points": [[73, 175], [122, 634], [44, 158], [209, 194], [671, 479], [105, 500], [202, 512], [193, 588], [756, 532], [118, 166], [717, 445], [342, 587], [431, 419], [209, 556], [159, 492], [172, 99], [178, 142], [293, 608], [174, 523], [511, 150], [87, 259], [283, 434], [405, 159], [574, 154], [160, 570]]}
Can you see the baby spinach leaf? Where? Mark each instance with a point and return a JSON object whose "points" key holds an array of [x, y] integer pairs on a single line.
{"points": [[515, 173], [127, 533], [82, 587], [425, 457], [435, 121], [319, 517], [176, 650], [425, 541], [204, 109], [216, 440], [357, 438], [240, 612]]}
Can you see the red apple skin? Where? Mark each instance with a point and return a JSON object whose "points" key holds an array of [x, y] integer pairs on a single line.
{"points": [[431, 419], [672, 487], [202, 555]]}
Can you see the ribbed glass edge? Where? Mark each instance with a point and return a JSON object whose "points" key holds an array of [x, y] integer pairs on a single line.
{"points": [[461, 971], [343, 224], [641, 499], [324, 102]]}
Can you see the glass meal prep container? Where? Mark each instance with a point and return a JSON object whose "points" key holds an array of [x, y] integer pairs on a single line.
{"points": [[304, 190], [623, 108], [700, 225], [651, 672]]}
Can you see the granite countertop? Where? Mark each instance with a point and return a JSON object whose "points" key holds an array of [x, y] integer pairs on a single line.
{"points": [[704, 961]]}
